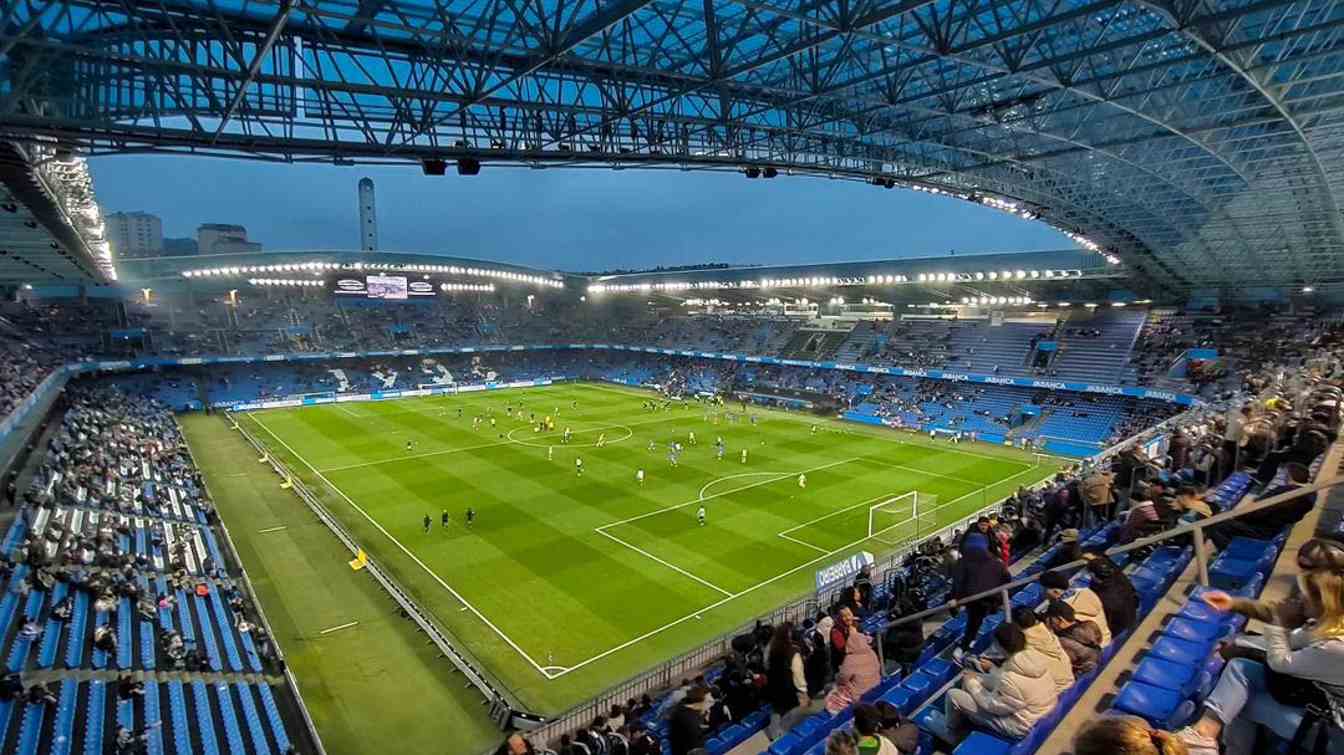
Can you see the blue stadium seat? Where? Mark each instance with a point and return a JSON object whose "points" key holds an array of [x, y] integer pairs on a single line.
{"points": [[1160, 707], [980, 743], [273, 716], [1180, 651], [1231, 573], [177, 703], [30, 728], [205, 725], [233, 734], [1164, 674], [93, 718], [63, 730], [1195, 631]]}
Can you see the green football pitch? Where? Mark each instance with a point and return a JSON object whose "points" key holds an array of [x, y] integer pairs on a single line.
{"points": [[568, 583]]}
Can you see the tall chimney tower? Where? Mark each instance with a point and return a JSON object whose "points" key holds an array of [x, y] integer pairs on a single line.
{"points": [[368, 217]]}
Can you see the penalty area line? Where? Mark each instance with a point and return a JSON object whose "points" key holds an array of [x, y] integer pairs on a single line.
{"points": [[339, 627], [696, 614], [668, 564]]}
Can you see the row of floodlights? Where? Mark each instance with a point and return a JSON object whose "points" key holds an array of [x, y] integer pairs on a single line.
{"points": [[317, 268], [310, 283], [284, 282], [870, 280]]}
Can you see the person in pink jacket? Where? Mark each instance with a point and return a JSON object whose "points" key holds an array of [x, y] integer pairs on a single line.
{"points": [[860, 671]]}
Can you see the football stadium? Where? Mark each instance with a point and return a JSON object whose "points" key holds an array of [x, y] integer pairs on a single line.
{"points": [[903, 377]]}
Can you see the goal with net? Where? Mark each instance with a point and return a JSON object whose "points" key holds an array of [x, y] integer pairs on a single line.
{"points": [[903, 518]]}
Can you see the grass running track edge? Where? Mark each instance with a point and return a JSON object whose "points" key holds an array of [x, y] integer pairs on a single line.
{"points": [[366, 686]]}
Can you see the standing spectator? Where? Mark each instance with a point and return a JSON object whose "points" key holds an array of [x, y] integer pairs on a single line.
{"points": [[1119, 599], [786, 682], [976, 572]]}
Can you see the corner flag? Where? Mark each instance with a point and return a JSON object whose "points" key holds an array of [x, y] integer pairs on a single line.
{"points": [[361, 560]]}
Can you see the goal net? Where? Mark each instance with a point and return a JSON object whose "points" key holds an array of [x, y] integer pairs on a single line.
{"points": [[903, 518]]}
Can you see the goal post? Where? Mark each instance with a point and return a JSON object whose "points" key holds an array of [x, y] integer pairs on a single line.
{"points": [[903, 518]]}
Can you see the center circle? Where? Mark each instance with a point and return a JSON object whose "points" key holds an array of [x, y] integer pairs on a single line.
{"points": [[528, 442]]}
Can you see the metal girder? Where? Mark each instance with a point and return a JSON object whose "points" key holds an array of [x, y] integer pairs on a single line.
{"points": [[1188, 137]]}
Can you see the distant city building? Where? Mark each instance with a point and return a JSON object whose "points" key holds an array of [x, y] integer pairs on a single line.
{"points": [[221, 238], [134, 235], [368, 217], [180, 247]]}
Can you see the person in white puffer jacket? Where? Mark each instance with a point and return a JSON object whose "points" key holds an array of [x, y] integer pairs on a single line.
{"points": [[1008, 700], [1041, 639]]}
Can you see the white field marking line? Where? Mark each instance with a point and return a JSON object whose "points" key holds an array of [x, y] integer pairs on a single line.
{"points": [[403, 548], [717, 480], [271, 529], [593, 444], [730, 491], [339, 627], [793, 539], [712, 606], [346, 409], [668, 564], [837, 512], [914, 514], [855, 430], [473, 448]]}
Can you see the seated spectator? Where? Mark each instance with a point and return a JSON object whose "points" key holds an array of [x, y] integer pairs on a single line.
{"points": [[1086, 604], [1190, 505], [1131, 735], [1008, 700], [1303, 662], [974, 573], [1042, 640], [686, 727], [1081, 640], [867, 725], [859, 672], [842, 742], [896, 728], [642, 742]]}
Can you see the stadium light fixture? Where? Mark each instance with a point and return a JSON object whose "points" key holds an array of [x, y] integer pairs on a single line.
{"points": [[992, 275], [1308, 289]]}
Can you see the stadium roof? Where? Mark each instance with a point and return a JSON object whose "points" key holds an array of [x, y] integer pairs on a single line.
{"points": [[50, 226], [1198, 141]]}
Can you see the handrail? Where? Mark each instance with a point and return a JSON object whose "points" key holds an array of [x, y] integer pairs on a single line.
{"points": [[1196, 529]]}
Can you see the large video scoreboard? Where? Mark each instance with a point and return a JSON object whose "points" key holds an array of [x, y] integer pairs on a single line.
{"points": [[380, 287]]}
